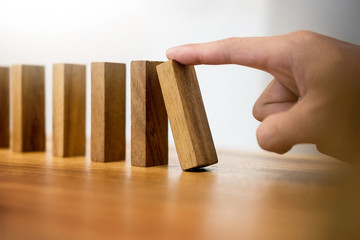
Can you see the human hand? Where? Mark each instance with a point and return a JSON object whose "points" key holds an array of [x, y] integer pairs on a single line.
{"points": [[314, 96]]}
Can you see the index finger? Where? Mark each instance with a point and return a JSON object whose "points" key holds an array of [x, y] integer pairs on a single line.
{"points": [[264, 53]]}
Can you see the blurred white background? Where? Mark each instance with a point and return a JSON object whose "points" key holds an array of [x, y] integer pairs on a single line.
{"points": [[46, 32]]}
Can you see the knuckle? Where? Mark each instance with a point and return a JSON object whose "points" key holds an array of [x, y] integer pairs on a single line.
{"points": [[304, 35], [230, 40], [257, 112], [269, 140], [304, 39], [227, 44], [264, 138]]}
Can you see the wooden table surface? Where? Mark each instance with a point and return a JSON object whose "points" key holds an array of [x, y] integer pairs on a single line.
{"points": [[244, 196]]}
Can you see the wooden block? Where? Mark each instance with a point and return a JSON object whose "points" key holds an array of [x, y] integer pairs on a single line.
{"points": [[4, 108], [69, 82], [187, 116], [28, 108], [108, 111], [149, 122]]}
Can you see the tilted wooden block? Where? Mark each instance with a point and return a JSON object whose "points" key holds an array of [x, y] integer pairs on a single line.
{"points": [[4, 108], [28, 108], [149, 122], [187, 116], [108, 111], [69, 110]]}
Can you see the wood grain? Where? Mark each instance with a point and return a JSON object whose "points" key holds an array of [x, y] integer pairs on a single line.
{"points": [[4, 108], [244, 196], [149, 122], [69, 110], [108, 111], [28, 108], [187, 116]]}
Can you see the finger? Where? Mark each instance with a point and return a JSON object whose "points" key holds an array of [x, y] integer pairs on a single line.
{"points": [[259, 52], [275, 98], [270, 109], [280, 131]]}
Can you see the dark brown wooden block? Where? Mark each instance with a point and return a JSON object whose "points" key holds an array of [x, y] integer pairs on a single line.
{"points": [[28, 108], [4, 108], [149, 122], [187, 116], [69, 110], [108, 111]]}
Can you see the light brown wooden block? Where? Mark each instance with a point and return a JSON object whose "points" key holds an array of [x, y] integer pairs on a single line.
{"points": [[69, 110], [4, 108], [149, 122], [187, 116], [107, 111], [28, 108]]}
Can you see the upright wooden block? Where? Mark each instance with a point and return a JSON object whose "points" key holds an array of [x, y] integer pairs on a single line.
{"points": [[149, 122], [69, 110], [187, 116], [4, 108], [107, 111], [28, 108]]}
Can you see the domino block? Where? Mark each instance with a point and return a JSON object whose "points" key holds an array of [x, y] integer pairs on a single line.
{"points": [[107, 111], [4, 109], [69, 110], [28, 108], [149, 122], [187, 116]]}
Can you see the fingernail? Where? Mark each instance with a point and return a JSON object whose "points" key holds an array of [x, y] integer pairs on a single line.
{"points": [[170, 52]]}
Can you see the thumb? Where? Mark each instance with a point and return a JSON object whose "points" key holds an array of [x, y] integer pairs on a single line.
{"points": [[281, 131]]}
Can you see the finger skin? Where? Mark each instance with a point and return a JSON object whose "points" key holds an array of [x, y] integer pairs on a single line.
{"points": [[275, 98], [256, 52]]}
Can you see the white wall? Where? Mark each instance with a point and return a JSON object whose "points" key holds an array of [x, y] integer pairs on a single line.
{"points": [[339, 19], [46, 32]]}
